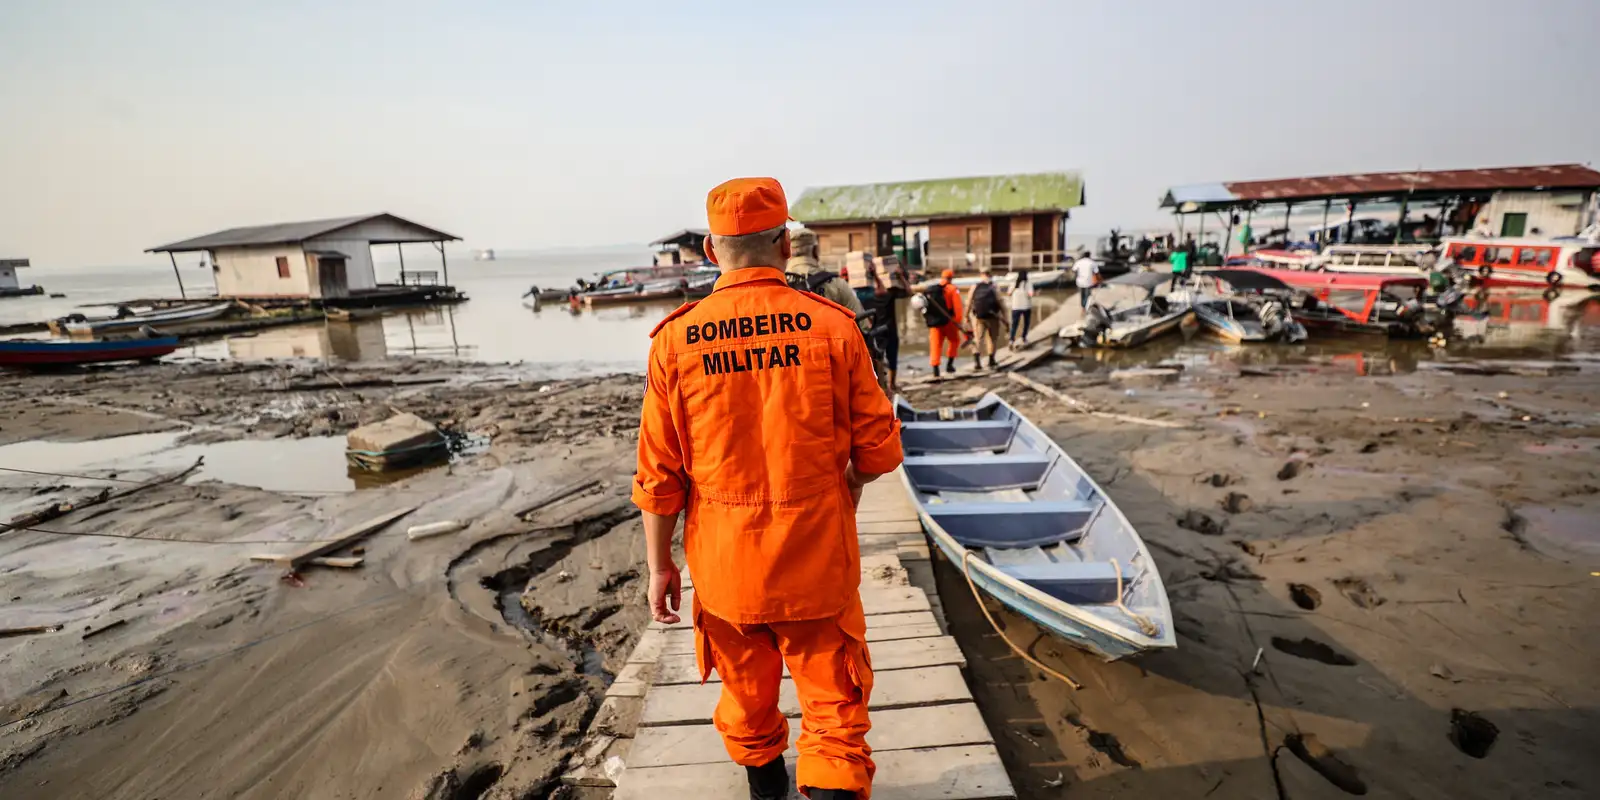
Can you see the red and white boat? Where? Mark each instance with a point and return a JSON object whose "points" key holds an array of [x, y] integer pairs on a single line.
{"points": [[1571, 263]]}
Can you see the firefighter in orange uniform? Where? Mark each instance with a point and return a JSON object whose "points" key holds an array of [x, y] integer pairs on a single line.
{"points": [[762, 420], [948, 334]]}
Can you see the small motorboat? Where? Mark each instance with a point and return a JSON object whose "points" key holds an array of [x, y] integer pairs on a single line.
{"points": [[1031, 529], [161, 319], [1134, 317], [1254, 317], [1349, 302], [34, 353]]}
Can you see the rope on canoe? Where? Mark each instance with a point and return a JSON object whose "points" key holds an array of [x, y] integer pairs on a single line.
{"points": [[1145, 625], [966, 569]]}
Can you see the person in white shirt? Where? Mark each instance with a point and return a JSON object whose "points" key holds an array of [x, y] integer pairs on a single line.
{"points": [[1021, 301], [1087, 275]]}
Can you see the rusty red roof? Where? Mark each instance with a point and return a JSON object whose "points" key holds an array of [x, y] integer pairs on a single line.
{"points": [[1559, 176], [1378, 184]]}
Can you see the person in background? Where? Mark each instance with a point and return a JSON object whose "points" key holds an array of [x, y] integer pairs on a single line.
{"points": [[762, 420], [885, 330], [804, 271], [1180, 266], [1245, 237], [986, 315], [944, 300], [1021, 297], [1086, 274], [1141, 250]]}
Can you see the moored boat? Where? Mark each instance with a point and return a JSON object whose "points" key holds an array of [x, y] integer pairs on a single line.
{"points": [[161, 319], [1524, 262], [1345, 302], [1031, 529], [1130, 323], [1247, 317], [26, 353]]}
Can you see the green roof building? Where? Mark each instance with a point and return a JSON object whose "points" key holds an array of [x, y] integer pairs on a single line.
{"points": [[1007, 221]]}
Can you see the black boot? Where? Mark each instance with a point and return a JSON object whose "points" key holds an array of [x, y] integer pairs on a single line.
{"points": [[770, 782], [992, 365], [977, 361], [950, 365], [832, 794], [935, 370]]}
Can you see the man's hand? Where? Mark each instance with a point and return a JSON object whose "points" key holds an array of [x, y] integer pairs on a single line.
{"points": [[854, 481], [665, 594]]}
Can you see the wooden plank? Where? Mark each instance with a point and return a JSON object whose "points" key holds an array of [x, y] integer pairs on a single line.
{"points": [[632, 681], [911, 526], [971, 772], [28, 630], [648, 648], [893, 601], [342, 539], [910, 625], [887, 655], [339, 562], [895, 729], [692, 703]]}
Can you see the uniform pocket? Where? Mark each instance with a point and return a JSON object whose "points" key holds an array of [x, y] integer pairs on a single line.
{"points": [[704, 658], [858, 663]]}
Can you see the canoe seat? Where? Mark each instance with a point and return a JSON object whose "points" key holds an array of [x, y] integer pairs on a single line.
{"points": [[977, 472], [1012, 525], [966, 436], [1083, 582]]}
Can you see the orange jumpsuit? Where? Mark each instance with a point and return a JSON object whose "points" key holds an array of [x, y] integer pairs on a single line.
{"points": [[948, 334], [759, 396]]}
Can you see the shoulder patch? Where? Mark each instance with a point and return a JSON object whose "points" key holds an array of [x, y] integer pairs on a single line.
{"points": [[676, 312], [848, 314]]}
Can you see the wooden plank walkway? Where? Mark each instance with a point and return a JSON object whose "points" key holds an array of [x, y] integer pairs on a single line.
{"points": [[653, 735]]}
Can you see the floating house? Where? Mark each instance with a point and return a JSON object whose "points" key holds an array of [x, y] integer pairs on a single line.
{"points": [[1006, 221], [687, 246], [329, 259]]}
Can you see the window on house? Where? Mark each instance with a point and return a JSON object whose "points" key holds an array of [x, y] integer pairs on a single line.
{"points": [[855, 242], [283, 266]]}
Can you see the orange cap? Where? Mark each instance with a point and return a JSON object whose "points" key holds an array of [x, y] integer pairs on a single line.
{"points": [[949, 273], [746, 205]]}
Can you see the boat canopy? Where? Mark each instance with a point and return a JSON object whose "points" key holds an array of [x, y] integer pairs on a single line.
{"points": [[1247, 279], [1354, 281], [1145, 280]]}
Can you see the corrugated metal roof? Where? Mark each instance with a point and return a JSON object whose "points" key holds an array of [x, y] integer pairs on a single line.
{"points": [[1377, 184], [685, 236], [294, 232], [948, 197]]}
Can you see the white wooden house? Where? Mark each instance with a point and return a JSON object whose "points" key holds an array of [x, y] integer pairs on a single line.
{"points": [[321, 259]]}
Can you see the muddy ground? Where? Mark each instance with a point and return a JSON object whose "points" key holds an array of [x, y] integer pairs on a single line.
{"points": [[419, 674], [1382, 587], [1410, 556]]}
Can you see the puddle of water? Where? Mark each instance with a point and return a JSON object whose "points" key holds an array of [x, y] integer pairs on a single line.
{"points": [[313, 465], [1562, 532]]}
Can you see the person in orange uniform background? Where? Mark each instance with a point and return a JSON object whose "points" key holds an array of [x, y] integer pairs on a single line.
{"points": [[948, 334], [763, 419]]}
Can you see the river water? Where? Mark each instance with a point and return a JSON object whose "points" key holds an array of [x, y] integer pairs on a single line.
{"points": [[495, 325]]}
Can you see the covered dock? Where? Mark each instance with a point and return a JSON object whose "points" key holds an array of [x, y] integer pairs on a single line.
{"points": [[1553, 200]]}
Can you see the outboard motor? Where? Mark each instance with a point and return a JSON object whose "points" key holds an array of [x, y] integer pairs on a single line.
{"points": [[1273, 316], [1096, 321], [1450, 298]]}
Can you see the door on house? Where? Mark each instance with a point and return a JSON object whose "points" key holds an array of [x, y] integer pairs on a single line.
{"points": [[1000, 241], [332, 278], [1513, 224]]}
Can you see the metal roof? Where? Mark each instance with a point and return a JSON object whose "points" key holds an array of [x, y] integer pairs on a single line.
{"points": [[296, 232], [947, 197], [685, 236], [1381, 184]]}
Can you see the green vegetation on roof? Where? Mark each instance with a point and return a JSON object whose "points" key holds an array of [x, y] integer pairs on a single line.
{"points": [[949, 197]]}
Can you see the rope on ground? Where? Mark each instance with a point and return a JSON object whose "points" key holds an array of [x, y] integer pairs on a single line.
{"points": [[1145, 625], [966, 569]]}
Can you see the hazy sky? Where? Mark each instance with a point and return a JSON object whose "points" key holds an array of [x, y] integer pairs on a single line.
{"points": [[124, 125]]}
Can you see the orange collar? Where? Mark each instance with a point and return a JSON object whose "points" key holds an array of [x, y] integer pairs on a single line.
{"points": [[740, 277]]}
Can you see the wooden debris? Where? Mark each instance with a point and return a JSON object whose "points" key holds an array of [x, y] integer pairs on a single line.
{"points": [[105, 496], [339, 541], [558, 495], [339, 562], [28, 630], [113, 625]]}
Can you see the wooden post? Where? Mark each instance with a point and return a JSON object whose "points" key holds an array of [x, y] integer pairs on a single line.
{"points": [[1200, 237], [1349, 223], [1288, 231], [178, 275], [444, 263], [1327, 205], [1227, 242], [400, 248], [1400, 225]]}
